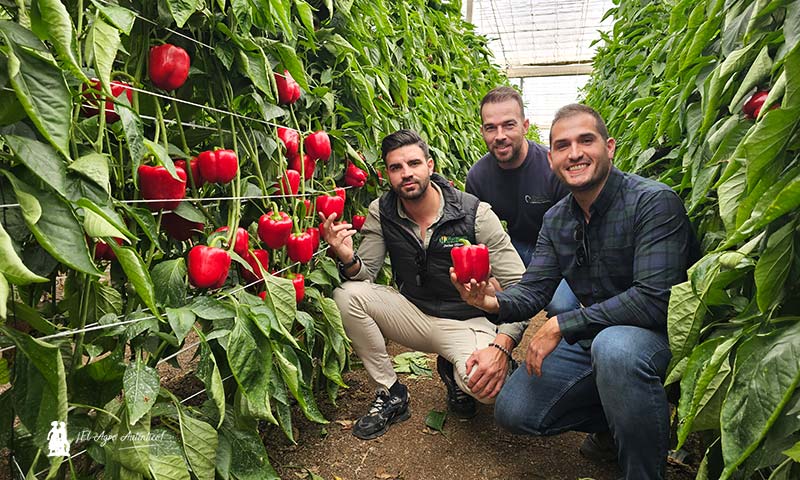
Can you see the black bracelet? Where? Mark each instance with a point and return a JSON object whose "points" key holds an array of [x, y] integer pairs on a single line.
{"points": [[345, 266], [502, 349]]}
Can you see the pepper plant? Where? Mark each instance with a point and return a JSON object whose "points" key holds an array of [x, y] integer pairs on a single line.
{"points": [[674, 80], [104, 136]]}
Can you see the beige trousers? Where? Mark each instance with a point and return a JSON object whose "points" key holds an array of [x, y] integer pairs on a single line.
{"points": [[372, 312]]}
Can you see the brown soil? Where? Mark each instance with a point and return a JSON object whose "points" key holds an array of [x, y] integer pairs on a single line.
{"points": [[473, 449]]}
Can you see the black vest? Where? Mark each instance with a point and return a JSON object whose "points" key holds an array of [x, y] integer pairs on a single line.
{"points": [[423, 276]]}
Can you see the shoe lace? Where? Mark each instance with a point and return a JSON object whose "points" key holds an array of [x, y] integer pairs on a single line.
{"points": [[378, 404], [460, 396]]}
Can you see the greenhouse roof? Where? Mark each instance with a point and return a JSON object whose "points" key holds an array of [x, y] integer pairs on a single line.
{"points": [[540, 37]]}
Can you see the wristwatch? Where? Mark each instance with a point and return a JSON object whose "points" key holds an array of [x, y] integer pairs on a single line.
{"points": [[344, 266]]}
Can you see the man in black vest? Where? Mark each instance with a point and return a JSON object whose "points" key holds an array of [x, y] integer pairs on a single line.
{"points": [[417, 223]]}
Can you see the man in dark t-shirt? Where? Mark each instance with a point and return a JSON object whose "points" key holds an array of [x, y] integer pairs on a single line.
{"points": [[516, 180]]}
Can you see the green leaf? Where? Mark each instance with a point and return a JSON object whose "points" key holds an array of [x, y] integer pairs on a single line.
{"points": [[134, 138], [57, 229], [794, 452], [170, 276], [199, 444], [166, 457], [42, 91], [770, 137], [181, 320], [134, 268], [141, 385], [11, 265], [58, 25], [4, 293], [97, 226], [684, 319], [291, 62], [120, 17], [281, 299], [208, 372], [730, 193], [93, 166], [435, 420], [766, 373], [241, 452], [40, 390], [105, 221], [181, 10], [758, 72], [306, 14], [131, 446], [250, 358], [42, 160], [211, 309], [773, 267]]}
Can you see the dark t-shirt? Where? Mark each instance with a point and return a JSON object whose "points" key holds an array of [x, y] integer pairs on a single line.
{"points": [[520, 196]]}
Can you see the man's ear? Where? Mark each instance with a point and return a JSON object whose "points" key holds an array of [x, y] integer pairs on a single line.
{"points": [[550, 159], [611, 147], [430, 164]]}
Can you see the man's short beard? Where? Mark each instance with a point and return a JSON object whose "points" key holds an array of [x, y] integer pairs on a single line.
{"points": [[423, 187]]}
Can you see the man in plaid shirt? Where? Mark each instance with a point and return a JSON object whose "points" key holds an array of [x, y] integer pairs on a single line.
{"points": [[621, 241]]}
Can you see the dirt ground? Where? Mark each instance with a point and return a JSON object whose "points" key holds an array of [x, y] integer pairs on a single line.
{"points": [[472, 449]]}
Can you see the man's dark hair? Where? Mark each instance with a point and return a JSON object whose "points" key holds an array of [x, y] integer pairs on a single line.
{"points": [[576, 109], [402, 138], [501, 94]]}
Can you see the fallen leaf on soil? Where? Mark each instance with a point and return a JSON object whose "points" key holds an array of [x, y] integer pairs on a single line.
{"points": [[346, 424], [383, 475]]}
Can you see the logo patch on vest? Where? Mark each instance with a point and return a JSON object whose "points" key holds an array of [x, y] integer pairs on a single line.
{"points": [[454, 241]]}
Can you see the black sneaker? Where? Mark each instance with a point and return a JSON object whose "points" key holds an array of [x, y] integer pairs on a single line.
{"points": [[599, 447], [385, 410], [458, 401]]}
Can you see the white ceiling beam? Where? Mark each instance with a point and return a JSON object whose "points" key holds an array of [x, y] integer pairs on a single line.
{"points": [[549, 70]]}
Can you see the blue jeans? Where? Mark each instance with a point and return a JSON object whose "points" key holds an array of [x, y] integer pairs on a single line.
{"points": [[617, 385], [563, 300]]}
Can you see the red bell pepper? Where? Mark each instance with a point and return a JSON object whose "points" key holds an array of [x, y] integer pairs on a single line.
{"points": [[318, 146], [354, 176], [290, 182], [752, 107], [300, 247], [341, 193], [169, 66], [208, 266], [156, 183], [91, 96], [242, 240], [328, 204], [291, 140], [194, 166], [253, 259], [299, 284], [308, 166], [358, 221], [288, 88], [103, 251], [470, 262], [314, 235], [274, 228], [218, 166], [308, 205], [179, 228]]}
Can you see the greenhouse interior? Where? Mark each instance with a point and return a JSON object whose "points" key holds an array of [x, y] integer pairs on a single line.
{"points": [[295, 239]]}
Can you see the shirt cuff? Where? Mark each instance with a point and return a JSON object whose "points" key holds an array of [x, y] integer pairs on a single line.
{"points": [[572, 325]]}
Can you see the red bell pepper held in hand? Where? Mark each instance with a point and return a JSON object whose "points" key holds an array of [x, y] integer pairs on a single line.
{"points": [[156, 183], [290, 182], [242, 243], [300, 247], [288, 88], [358, 221], [318, 146], [307, 167], [179, 228], [291, 140], [208, 266], [470, 262], [328, 204], [194, 169], [218, 166], [274, 228], [169, 66], [91, 96], [354, 176], [253, 258]]}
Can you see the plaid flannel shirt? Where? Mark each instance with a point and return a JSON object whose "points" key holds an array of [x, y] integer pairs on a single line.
{"points": [[621, 264]]}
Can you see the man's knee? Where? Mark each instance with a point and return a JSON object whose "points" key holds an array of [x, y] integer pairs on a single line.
{"points": [[349, 291], [512, 412], [626, 352]]}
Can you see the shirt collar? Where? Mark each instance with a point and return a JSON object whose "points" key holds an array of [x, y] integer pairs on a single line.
{"points": [[606, 198]]}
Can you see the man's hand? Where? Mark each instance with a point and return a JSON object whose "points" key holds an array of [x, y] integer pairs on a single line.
{"points": [[487, 369], [480, 295], [339, 237], [544, 341]]}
